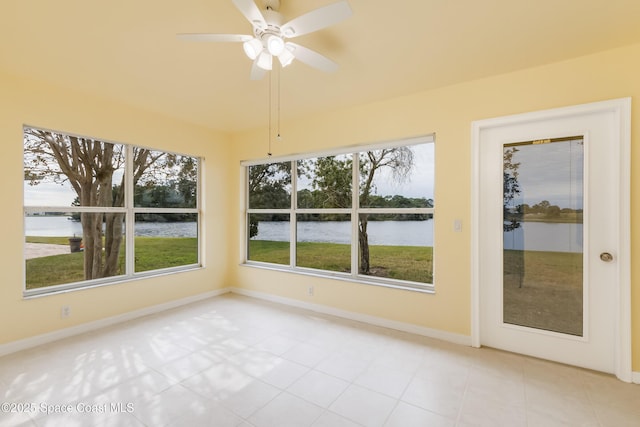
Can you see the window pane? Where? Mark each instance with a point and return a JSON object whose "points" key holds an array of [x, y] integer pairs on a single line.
{"points": [[269, 237], [324, 242], [396, 246], [325, 182], [59, 250], [64, 245], [400, 177], [169, 180], [543, 281], [270, 186], [66, 170], [165, 240]]}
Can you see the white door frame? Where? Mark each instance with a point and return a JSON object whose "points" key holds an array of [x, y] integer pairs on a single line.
{"points": [[622, 111]]}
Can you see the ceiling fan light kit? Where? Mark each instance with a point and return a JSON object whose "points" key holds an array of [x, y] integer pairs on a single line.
{"points": [[253, 48], [275, 45], [270, 35], [287, 56], [265, 61]]}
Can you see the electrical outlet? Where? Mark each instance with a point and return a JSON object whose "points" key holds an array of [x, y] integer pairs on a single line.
{"points": [[65, 311], [310, 290]]}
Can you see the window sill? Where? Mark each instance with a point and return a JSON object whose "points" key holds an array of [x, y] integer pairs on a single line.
{"points": [[72, 287], [363, 280]]}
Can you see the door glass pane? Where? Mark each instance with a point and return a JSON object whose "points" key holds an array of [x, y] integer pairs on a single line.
{"points": [[543, 235]]}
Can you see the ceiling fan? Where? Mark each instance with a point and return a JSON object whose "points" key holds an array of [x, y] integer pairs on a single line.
{"points": [[271, 32]]}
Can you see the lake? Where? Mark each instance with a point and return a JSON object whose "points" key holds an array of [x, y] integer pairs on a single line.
{"points": [[545, 236], [535, 236], [61, 226], [405, 233]]}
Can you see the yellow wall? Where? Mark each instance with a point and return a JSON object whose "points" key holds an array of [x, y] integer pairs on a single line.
{"points": [[28, 102], [447, 112]]}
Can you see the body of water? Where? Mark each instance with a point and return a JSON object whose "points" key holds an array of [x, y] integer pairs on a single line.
{"points": [[545, 236], [533, 236], [61, 226], [404, 233]]}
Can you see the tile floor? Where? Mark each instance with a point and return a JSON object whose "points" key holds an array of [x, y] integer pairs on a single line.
{"points": [[236, 361]]}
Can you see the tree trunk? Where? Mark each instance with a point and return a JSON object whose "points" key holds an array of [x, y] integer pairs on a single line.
{"points": [[363, 239], [113, 241], [92, 235]]}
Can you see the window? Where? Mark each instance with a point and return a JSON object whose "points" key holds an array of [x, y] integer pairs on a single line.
{"points": [[98, 212], [364, 214]]}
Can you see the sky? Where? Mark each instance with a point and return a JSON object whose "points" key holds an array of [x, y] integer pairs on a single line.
{"points": [[48, 194], [420, 183], [52, 194], [552, 172]]}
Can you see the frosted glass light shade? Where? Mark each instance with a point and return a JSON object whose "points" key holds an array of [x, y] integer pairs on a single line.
{"points": [[265, 61], [253, 48], [286, 57], [275, 45]]}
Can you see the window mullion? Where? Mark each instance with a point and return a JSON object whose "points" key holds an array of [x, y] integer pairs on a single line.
{"points": [[199, 203], [130, 215], [293, 217], [355, 205]]}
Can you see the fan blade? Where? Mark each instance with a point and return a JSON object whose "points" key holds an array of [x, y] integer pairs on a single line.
{"points": [[317, 19], [312, 58], [250, 11], [257, 73], [196, 37]]}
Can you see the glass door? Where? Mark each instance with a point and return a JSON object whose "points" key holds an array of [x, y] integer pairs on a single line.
{"points": [[550, 248], [543, 207]]}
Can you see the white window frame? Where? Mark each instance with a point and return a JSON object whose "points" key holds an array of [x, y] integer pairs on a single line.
{"points": [[354, 211], [130, 212]]}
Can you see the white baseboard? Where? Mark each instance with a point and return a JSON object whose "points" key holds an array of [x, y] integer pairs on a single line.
{"points": [[365, 318], [37, 340], [635, 377]]}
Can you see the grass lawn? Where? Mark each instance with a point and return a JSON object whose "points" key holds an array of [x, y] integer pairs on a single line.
{"points": [[413, 263], [543, 290], [152, 253]]}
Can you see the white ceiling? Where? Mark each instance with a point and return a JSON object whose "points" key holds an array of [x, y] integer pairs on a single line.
{"points": [[127, 50]]}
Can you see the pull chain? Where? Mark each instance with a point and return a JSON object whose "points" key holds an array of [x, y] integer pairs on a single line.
{"points": [[279, 71], [278, 103], [269, 153]]}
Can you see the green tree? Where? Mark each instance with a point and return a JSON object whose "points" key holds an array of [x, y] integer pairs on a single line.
{"points": [[88, 165], [332, 181], [400, 162], [269, 188], [512, 214], [542, 207], [511, 189], [553, 212]]}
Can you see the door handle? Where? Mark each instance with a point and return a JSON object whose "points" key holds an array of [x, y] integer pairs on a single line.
{"points": [[606, 257]]}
